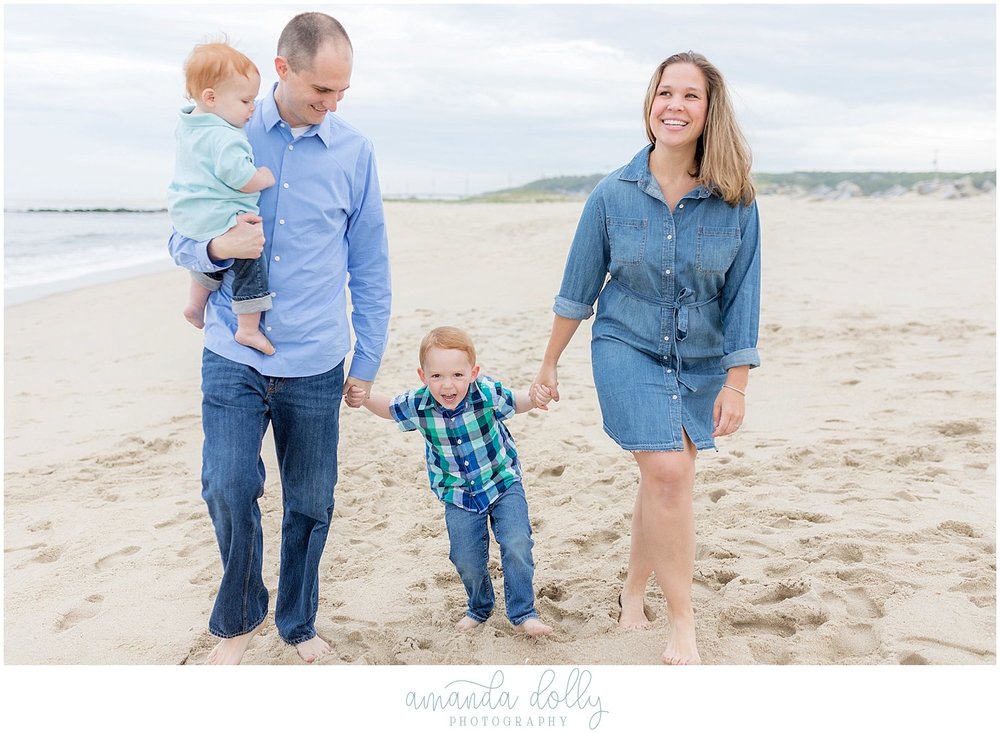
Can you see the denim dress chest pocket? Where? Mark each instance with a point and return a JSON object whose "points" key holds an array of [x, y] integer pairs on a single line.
{"points": [[627, 238], [717, 247]]}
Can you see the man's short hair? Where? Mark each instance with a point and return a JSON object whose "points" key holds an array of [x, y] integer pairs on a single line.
{"points": [[305, 34], [212, 63]]}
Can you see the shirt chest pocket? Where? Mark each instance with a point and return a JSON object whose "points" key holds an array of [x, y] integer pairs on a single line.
{"points": [[717, 248], [627, 238]]}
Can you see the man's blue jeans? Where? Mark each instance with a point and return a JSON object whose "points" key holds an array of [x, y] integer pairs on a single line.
{"points": [[470, 551], [304, 413]]}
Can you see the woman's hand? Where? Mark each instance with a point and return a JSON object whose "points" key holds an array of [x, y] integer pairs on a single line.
{"points": [[545, 386], [727, 415]]}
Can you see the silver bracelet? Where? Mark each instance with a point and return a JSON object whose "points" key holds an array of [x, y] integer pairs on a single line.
{"points": [[735, 389]]}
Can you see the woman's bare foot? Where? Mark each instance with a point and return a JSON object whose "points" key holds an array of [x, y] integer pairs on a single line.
{"points": [[195, 315], [682, 648], [255, 340], [534, 627], [633, 612], [312, 649], [231, 651], [466, 624]]}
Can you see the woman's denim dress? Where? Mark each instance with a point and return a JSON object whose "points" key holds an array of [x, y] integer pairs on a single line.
{"points": [[679, 304]]}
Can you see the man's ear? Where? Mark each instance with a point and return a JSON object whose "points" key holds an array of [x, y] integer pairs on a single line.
{"points": [[281, 66]]}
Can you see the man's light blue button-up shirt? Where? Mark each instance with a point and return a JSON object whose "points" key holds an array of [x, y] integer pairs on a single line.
{"points": [[323, 220]]}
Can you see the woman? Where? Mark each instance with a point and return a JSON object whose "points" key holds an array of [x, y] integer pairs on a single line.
{"points": [[675, 337]]}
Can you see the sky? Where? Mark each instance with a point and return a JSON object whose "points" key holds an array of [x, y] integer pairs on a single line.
{"points": [[461, 99]]}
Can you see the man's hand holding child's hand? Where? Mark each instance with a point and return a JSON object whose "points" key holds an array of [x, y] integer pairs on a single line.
{"points": [[355, 396]]}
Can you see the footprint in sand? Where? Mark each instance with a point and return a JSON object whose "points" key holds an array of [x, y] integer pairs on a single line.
{"points": [[89, 608], [114, 557]]}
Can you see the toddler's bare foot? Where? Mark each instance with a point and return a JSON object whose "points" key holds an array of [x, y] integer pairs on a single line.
{"points": [[682, 648], [312, 649], [466, 624], [255, 340], [195, 316], [230, 651], [632, 612], [534, 627]]}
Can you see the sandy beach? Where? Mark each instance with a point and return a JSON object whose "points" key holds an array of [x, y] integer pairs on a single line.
{"points": [[851, 521]]}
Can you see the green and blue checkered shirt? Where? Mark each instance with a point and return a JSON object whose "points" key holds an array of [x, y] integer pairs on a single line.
{"points": [[471, 457]]}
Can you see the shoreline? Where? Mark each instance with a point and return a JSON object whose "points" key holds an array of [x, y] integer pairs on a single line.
{"points": [[22, 294]]}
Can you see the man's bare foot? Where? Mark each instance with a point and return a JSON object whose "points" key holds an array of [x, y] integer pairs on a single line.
{"points": [[682, 648], [195, 316], [255, 340], [632, 614], [230, 651], [466, 624], [312, 649], [534, 627]]}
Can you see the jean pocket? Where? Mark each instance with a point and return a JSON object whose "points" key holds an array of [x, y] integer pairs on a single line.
{"points": [[627, 238], [717, 248]]}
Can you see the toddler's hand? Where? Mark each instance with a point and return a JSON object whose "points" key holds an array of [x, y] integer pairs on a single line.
{"points": [[355, 396], [541, 396]]}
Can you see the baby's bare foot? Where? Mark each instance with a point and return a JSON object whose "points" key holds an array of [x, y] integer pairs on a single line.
{"points": [[230, 651], [195, 316], [534, 627], [466, 624], [255, 340], [312, 649]]}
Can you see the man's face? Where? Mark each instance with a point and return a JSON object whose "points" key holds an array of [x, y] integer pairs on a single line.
{"points": [[305, 96]]}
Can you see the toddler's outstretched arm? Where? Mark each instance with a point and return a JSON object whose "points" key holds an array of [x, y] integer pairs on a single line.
{"points": [[376, 403], [262, 179]]}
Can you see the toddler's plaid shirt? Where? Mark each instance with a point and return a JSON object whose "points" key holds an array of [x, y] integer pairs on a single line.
{"points": [[471, 457]]}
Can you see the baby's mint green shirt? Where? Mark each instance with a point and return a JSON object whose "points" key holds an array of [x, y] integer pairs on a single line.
{"points": [[214, 161]]}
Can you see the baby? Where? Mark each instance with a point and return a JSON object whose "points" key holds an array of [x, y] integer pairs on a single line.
{"points": [[473, 468], [215, 180]]}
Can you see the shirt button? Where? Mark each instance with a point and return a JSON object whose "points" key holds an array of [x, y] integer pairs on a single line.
{"points": [[670, 371], [459, 441], [681, 206], [268, 328], [285, 185], [291, 147], [666, 338], [666, 272], [277, 258], [466, 463], [673, 397], [274, 295], [281, 221], [669, 236]]}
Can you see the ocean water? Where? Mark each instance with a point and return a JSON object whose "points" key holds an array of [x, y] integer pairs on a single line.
{"points": [[48, 251]]}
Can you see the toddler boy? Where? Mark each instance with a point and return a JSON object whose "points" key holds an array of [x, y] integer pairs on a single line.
{"points": [[473, 468], [215, 180]]}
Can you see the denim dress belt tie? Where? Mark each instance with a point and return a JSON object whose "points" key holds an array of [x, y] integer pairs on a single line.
{"points": [[681, 304]]}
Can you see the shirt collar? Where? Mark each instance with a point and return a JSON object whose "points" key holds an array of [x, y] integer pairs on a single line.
{"points": [[638, 170], [473, 401], [270, 116]]}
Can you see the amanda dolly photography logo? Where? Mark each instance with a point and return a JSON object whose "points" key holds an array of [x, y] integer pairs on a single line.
{"points": [[555, 700]]}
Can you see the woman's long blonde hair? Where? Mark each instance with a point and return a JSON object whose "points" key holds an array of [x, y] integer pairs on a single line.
{"points": [[722, 158]]}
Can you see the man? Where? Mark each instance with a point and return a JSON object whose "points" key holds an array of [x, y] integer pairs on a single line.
{"points": [[321, 220]]}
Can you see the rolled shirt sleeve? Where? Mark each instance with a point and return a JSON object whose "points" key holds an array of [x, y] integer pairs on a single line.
{"points": [[740, 297], [586, 265], [192, 254]]}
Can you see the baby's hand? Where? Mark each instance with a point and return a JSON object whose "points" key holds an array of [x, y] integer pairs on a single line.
{"points": [[355, 396], [541, 395]]}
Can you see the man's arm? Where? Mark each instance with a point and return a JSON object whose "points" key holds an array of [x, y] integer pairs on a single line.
{"points": [[245, 241], [368, 266]]}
